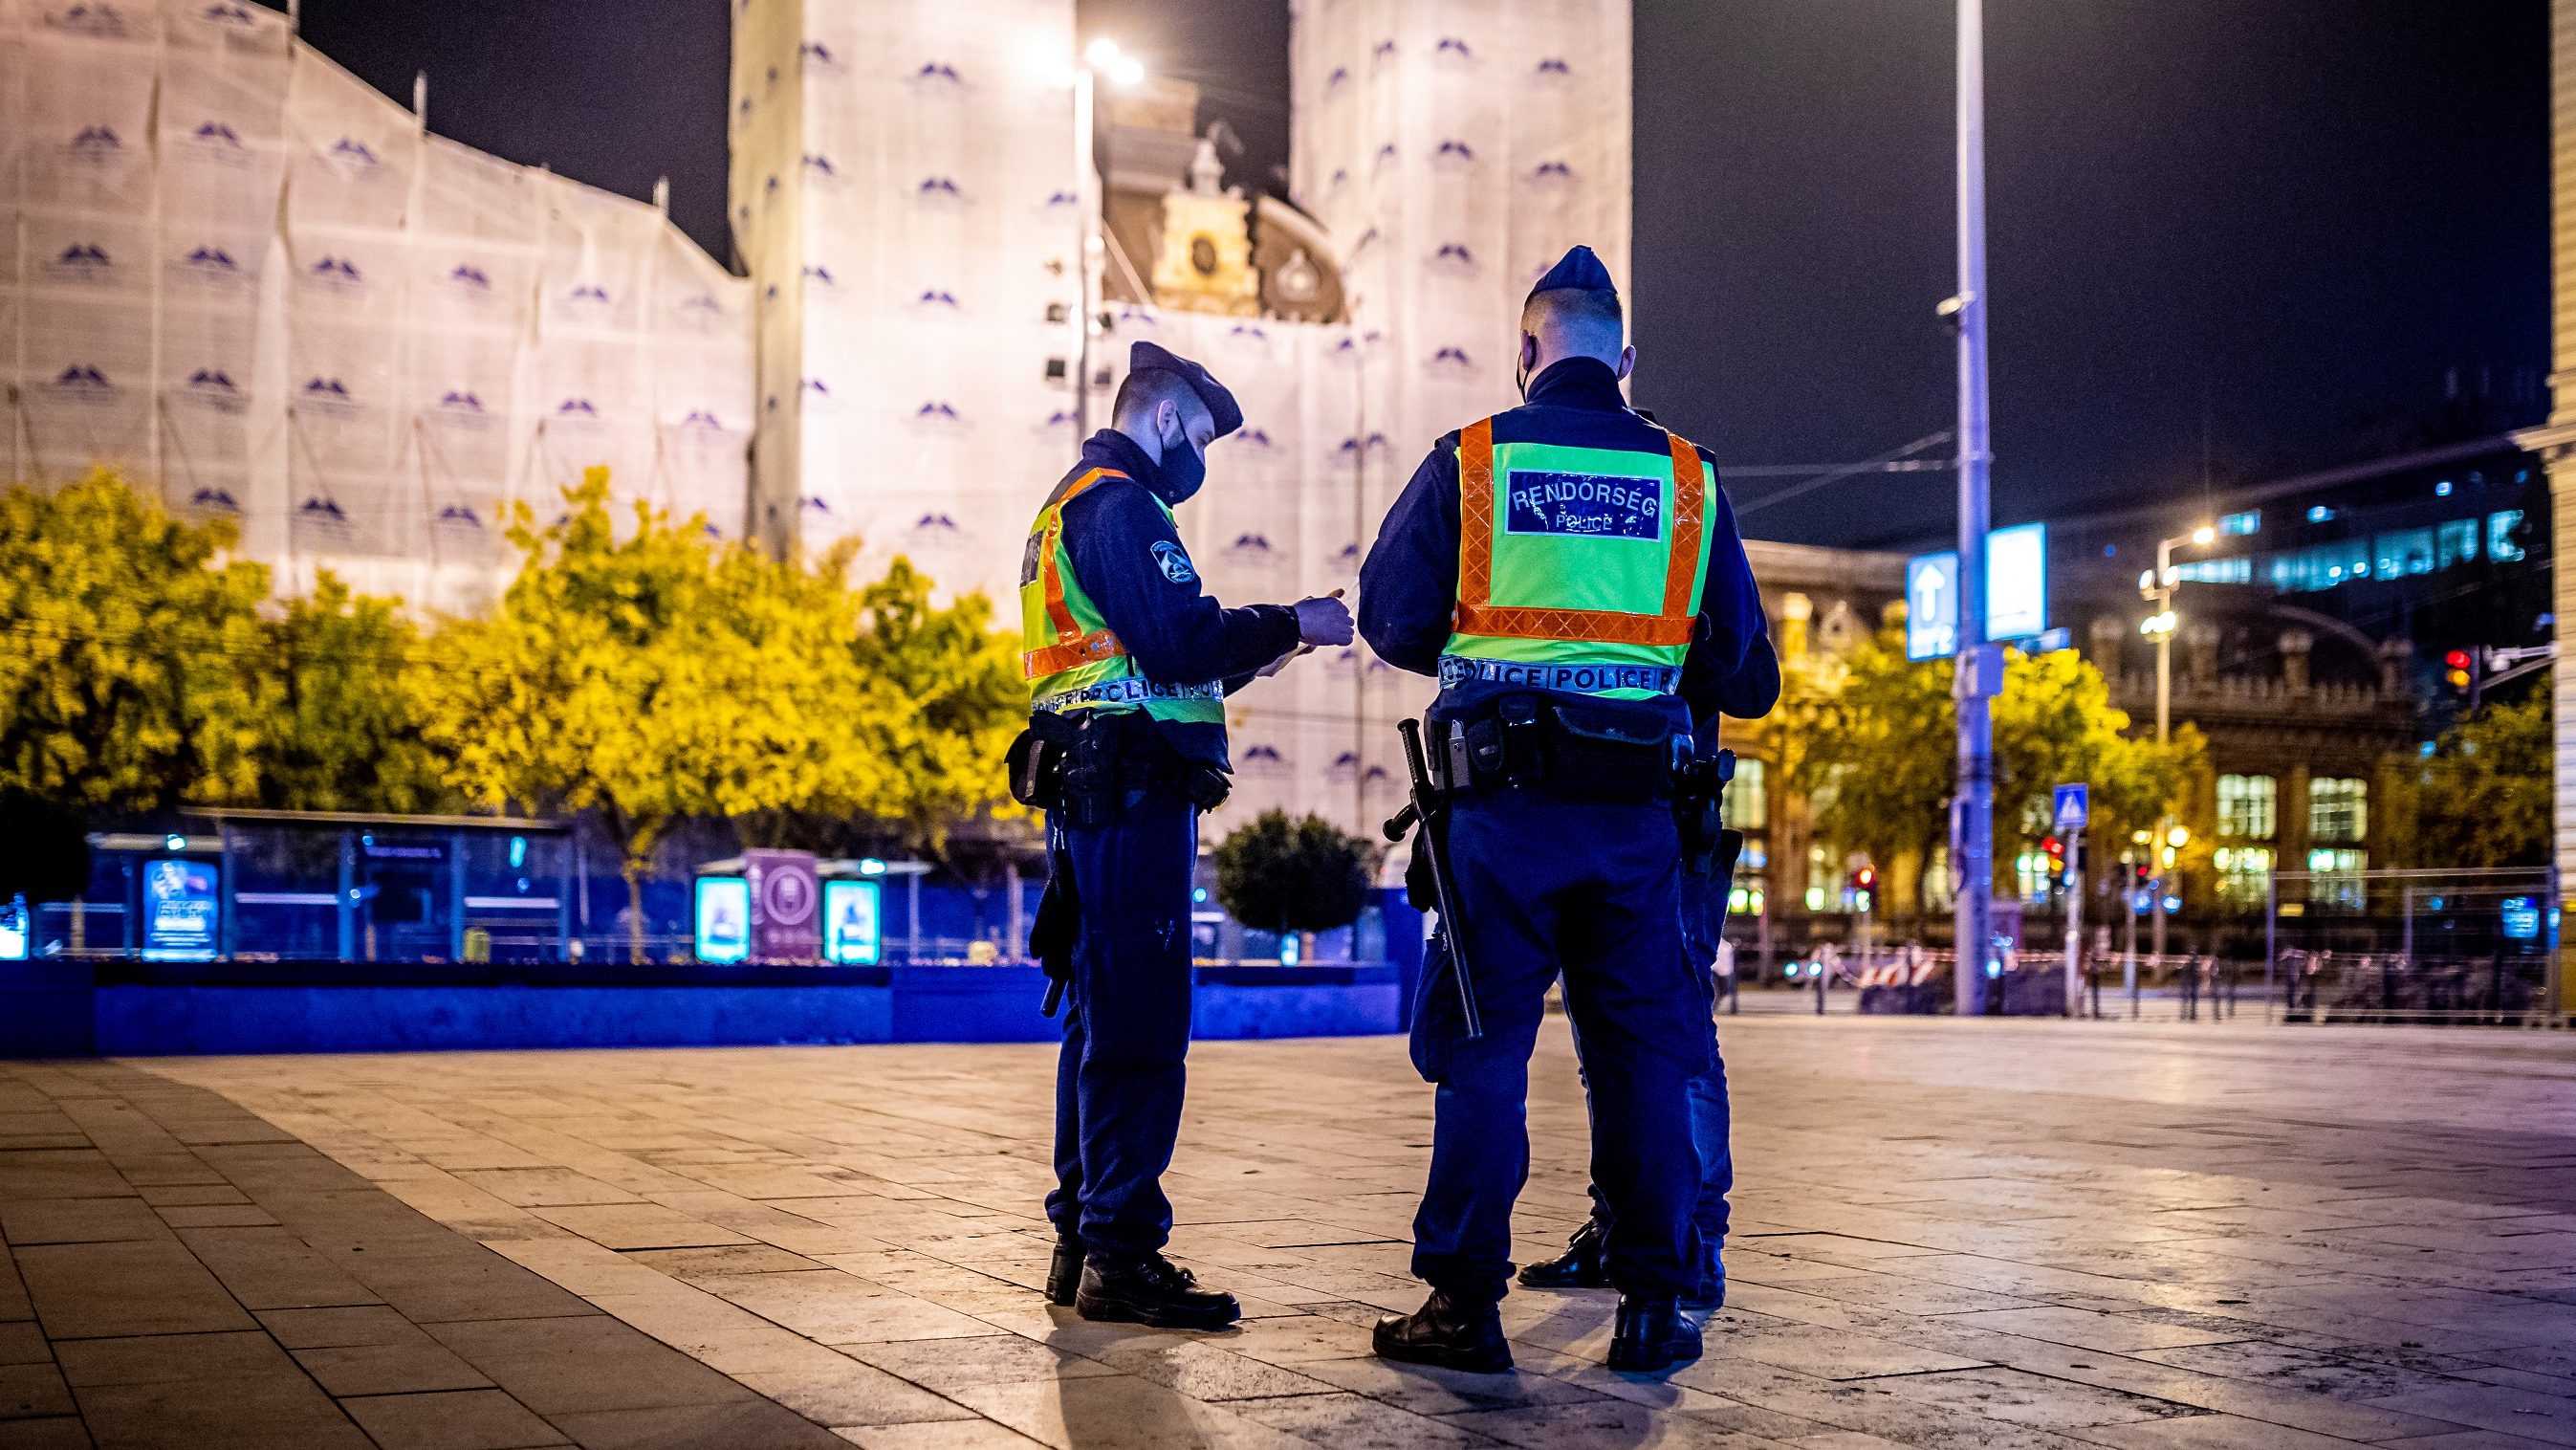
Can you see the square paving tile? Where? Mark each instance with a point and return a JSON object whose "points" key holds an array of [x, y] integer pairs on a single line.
{"points": [[461, 1420]]}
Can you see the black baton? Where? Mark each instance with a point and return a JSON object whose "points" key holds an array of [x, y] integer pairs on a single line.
{"points": [[1423, 810]]}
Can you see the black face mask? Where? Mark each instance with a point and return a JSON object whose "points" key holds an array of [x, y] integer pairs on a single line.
{"points": [[1184, 468]]}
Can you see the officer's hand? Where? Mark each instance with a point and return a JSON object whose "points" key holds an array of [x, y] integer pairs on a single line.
{"points": [[1323, 621]]}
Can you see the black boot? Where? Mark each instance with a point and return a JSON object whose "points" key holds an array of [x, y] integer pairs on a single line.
{"points": [[1583, 1265], [1652, 1334], [1151, 1290], [1446, 1333], [1064, 1271]]}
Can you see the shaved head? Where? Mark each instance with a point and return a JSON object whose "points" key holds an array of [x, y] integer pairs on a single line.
{"points": [[1569, 322]]}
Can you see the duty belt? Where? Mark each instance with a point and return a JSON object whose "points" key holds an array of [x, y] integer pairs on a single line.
{"points": [[1130, 691], [1583, 679]]}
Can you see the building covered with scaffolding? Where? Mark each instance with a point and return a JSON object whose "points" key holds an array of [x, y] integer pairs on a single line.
{"points": [[234, 272]]}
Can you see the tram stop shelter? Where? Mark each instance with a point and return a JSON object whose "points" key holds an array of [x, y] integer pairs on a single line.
{"points": [[332, 886]]}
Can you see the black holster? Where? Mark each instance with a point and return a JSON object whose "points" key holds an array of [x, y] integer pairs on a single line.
{"points": [[1052, 935], [1084, 767], [1609, 750], [1699, 793]]}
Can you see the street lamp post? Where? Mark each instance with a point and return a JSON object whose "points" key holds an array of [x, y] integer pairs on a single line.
{"points": [[2160, 627], [1978, 669], [1101, 57]]}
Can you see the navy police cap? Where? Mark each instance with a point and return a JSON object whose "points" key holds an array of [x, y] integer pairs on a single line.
{"points": [[1146, 357], [1577, 271]]}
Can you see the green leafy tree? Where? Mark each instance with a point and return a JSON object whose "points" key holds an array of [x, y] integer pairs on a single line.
{"points": [[962, 695], [1878, 753], [348, 688], [1876, 745], [2483, 797], [131, 650], [589, 687], [652, 675], [1275, 874]]}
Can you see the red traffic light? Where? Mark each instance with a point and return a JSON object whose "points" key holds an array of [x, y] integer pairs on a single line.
{"points": [[2457, 659], [1865, 878]]}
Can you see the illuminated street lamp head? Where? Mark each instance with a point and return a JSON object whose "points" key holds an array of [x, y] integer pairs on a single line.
{"points": [[2203, 534], [1101, 54], [2158, 625], [2178, 837], [1127, 72]]}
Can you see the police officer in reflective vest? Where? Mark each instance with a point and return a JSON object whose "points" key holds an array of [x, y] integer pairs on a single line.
{"points": [[1128, 666], [1572, 575]]}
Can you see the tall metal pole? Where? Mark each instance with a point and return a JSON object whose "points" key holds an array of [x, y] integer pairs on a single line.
{"points": [[1972, 819], [1086, 221], [2164, 732]]}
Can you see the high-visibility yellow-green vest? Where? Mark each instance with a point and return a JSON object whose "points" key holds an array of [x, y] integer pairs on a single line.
{"points": [[1071, 658], [1578, 568]]}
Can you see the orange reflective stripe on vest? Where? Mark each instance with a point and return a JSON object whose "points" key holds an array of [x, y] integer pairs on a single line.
{"points": [[1072, 647], [1477, 612]]}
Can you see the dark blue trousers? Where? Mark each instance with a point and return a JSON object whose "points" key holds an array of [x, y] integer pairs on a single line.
{"points": [[1703, 924], [1119, 1079], [1589, 891]]}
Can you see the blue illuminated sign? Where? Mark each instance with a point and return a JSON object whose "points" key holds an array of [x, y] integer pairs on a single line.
{"points": [[723, 919], [180, 909], [2016, 593], [853, 924], [13, 929], [1932, 606], [2521, 918]]}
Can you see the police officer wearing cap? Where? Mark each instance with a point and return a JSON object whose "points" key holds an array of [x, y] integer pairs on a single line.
{"points": [[1129, 664], [1572, 575]]}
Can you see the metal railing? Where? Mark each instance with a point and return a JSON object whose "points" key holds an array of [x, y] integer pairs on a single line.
{"points": [[2470, 946]]}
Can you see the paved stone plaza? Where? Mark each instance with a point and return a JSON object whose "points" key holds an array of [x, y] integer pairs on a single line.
{"points": [[1986, 1235]]}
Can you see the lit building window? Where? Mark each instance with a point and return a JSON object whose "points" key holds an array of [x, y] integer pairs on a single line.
{"points": [[2244, 875], [2334, 878], [2408, 551], [2455, 542], [2248, 807], [2241, 524], [2216, 571], [2321, 567], [2338, 809], [1746, 806], [2500, 544]]}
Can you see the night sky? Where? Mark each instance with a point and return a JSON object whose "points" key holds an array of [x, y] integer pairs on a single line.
{"points": [[2231, 239]]}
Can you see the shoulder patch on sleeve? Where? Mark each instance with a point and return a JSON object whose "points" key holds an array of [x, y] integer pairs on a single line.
{"points": [[1174, 561]]}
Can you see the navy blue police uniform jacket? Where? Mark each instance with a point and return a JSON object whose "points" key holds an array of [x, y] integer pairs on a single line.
{"points": [[1130, 560], [1409, 585]]}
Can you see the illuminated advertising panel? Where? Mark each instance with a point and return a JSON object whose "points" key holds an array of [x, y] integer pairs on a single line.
{"points": [[723, 919], [2017, 582], [180, 910], [853, 926]]}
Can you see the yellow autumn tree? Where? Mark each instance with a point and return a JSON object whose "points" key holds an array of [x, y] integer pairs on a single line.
{"points": [[132, 653], [652, 674]]}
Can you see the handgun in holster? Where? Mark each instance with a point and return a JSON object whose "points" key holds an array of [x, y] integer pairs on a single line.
{"points": [[1709, 850], [1051, 936]]}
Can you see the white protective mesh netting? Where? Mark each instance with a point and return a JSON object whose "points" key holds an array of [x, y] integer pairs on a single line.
{"points": [[904, 187], [236, 271]]}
